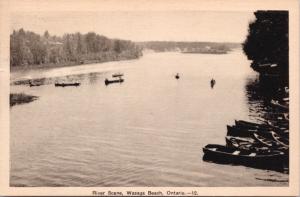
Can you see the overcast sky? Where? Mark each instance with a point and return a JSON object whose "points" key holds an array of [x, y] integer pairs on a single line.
{"points": [[141, 25]]}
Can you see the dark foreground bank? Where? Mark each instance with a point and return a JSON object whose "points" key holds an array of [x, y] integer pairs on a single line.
{"points": [[20, 98]]}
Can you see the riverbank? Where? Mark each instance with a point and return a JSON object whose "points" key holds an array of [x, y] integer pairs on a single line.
{"points": [[72, 63], [20, 98]]}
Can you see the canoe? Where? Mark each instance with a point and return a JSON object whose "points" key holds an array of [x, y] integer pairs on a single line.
{"points": [[226, 155], [117, 75], [66, 84], [281, 140], [113, 81]]}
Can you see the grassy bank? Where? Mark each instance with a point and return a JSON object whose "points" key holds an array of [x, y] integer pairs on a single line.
{"points": [[20, 98]]}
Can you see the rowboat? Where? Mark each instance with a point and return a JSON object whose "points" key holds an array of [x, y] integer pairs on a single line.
{"points": [[117, 75], [248, 144], [279, 105], [243, 123], [34, 84], [223, 154], [66, 84], [240, 131], [120, 80], [265, 127], [266, 140]]}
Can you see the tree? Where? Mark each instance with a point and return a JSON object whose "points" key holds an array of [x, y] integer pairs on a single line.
{"points": [[46, 34], [267, 40]]}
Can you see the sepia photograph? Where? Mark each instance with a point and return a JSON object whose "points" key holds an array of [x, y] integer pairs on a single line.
{"points": [[148, 98]]}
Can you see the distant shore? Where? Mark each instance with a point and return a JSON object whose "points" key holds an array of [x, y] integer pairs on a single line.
{"points": [[207, 52], [67, 64]]}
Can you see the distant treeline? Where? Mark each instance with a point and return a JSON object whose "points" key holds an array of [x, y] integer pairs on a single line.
{"points": [[31, 49], [161, 46]]}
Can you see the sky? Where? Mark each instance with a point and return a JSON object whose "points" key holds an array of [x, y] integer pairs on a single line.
{"points": [[214, 26]]}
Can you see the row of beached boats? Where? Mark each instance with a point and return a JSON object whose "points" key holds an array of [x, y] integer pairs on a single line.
{"points": [[251, 144]]}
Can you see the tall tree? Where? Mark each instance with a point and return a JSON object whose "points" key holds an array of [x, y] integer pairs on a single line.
{"points": [[267, 41]]}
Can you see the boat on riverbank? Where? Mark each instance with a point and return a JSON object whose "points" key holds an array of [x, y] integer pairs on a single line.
{"points": [[67, 84]]}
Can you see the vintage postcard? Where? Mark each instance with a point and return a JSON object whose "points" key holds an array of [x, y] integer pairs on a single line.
{"points": [[149, 98]]}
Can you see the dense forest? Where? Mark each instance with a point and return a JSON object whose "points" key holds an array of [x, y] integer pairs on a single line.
{"points": [[31, 49], [201, 47], [267, 43]]}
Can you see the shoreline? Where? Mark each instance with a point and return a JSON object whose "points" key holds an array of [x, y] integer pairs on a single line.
{"points": [[65, 64]]}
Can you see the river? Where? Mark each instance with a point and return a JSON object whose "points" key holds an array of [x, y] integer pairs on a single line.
{"points": [[147, 131]]}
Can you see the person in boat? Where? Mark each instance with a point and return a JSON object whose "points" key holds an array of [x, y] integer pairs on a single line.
{"points": [[212, 83], [177, 76]]}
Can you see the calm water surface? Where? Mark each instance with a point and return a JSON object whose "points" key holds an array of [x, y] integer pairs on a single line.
{"points": [[148, 131]]}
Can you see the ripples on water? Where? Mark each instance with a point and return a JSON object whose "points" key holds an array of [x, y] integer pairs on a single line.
{"points": [[148, 131]]}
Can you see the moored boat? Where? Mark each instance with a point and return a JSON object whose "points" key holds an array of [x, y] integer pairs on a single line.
{"points": [[118, 75], [248, 144], [266, 140], [281, 140], [279, 105], [120, 80], [223, 154], [252, 125], [34, 84], [67, 84], [237, 131]]}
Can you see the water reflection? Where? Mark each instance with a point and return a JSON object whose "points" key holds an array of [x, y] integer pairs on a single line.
{"points": [[149, 131], [260, 97]]}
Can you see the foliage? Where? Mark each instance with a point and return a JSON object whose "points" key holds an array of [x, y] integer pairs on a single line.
{"points": [[28, 48], [267, 41], [161, 46]]}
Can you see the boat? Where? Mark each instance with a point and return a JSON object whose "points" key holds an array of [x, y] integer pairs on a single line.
{"points": [[237, 142], [266, 140], [281, 140], [67, 84], [240, 131], [243, 123], [265, 127], [227, 155], [120, 80], [282, 125], [245, 144], [34, 84], [279, 105], [117, 75]]}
